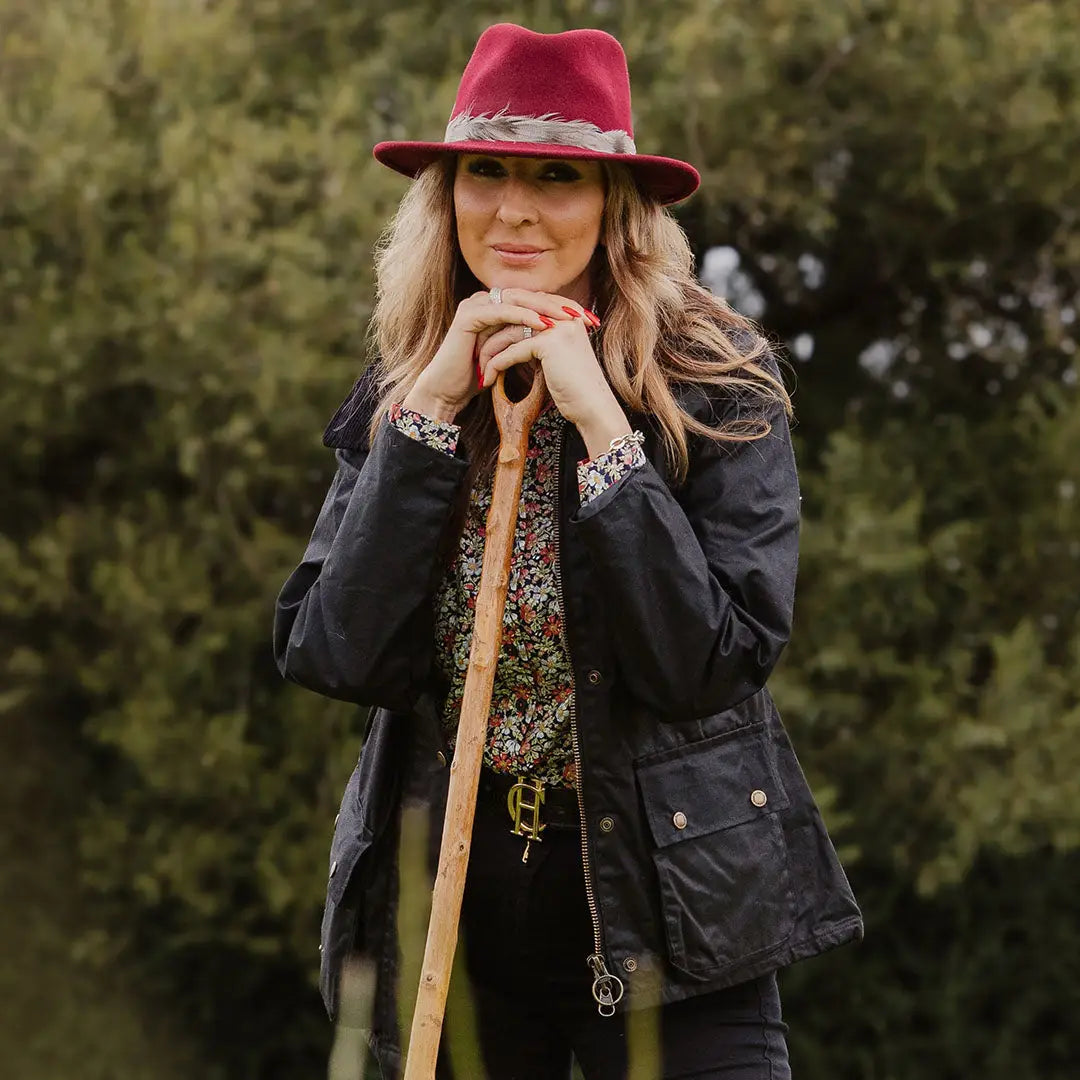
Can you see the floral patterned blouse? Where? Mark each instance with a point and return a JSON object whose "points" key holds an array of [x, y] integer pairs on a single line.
{"points": [[529, 723]]}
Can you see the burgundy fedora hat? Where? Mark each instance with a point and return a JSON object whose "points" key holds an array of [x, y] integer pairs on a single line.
{"points": [[546, 95]]}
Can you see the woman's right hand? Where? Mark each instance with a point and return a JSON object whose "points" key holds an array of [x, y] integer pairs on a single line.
{"points": [[449, 382]]}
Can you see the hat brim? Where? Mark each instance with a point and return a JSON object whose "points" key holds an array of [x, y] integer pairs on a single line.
{"points": [[667, 179]]}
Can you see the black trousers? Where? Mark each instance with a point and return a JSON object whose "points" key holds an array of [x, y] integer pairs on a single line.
{"points": [[527, 932]]}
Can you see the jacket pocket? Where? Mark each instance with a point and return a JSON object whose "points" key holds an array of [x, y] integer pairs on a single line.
{"points": [[341, 914], [720, 855]]}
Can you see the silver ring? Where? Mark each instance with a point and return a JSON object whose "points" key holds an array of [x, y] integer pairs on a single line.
{"points": [[496, 295], [528, 331]]}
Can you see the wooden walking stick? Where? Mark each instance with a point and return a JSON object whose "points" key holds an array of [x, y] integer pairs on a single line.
{"points": [[515, 421]]}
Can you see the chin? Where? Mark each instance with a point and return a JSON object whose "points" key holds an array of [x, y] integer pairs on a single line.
{"points": [[533, 282], [509, 277]]}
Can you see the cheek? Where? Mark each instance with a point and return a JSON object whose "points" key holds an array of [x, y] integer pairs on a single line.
{"points": [[471, 217], [580, 229]]}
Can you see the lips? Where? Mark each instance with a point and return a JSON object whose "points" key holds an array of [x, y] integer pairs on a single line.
{"points": [[518, 255]]}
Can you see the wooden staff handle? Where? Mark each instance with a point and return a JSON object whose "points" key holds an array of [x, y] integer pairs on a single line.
{"points": [[515, 420]]}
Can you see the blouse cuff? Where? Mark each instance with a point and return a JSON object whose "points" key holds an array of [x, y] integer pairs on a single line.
{"points": [[439, 434], [599, 473]]}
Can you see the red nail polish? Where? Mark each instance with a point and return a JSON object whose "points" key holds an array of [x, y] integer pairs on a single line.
{"points": [[571, 311], [549, 323], [591, 317], [479, 376]]}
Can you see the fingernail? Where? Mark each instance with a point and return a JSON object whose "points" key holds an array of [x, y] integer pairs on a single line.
{"points": [[547, 322], [595, 321], [571, 311], [479, 376]]}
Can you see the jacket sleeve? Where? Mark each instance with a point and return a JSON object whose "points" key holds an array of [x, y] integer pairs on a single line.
{"points": [[355, 619], [700, 586]]}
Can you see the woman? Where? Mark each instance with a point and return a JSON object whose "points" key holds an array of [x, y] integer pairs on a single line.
{"points": [[644, 831]]}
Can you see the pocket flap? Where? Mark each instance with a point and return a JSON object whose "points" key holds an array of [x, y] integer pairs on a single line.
{"points": [[714, 784], [344, 856]]}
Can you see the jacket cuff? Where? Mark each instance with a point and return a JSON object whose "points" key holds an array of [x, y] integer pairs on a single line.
{"points": [[596, 475], [438, 434]]}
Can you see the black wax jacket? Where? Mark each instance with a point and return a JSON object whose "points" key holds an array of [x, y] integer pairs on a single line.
{"points": [[708, 858]]}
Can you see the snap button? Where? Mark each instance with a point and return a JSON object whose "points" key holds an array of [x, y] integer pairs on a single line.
{"points": [[333, 868], [594, 676], [758, 798], [320, 948], [607, 824], [679, 820], [440, 757], [629, 964]]}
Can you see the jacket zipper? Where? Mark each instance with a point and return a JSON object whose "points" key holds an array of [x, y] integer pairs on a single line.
{"points": [[607, 989]]}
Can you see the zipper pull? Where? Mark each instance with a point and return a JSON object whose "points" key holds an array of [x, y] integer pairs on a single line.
{"points": [[607, 989]]}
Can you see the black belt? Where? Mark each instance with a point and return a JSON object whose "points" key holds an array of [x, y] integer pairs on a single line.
{"points": [[530, 805]]}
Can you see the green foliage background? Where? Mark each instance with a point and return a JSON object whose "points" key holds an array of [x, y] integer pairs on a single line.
{"points": [[187, 208]]}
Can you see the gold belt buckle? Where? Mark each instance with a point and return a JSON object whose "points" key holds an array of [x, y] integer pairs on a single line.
{"points": [[525, 812]]}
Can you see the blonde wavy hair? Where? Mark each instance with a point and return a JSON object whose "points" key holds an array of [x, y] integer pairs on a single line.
{"points": [[660, 326]]}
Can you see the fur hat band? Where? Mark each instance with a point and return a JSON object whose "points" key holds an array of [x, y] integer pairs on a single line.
{"points": [[550, 128]]}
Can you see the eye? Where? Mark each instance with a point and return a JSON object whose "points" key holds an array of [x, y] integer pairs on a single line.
{"points": [[485, 167], [561, 172]]}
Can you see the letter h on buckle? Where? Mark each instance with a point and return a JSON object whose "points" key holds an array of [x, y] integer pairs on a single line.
{"points": [[525, 814]]}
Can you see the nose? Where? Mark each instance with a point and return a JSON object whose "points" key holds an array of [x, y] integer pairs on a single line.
{"points": [[516, 204]]}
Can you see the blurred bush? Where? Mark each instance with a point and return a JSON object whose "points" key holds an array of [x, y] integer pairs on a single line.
{"points": [[188, 205]]}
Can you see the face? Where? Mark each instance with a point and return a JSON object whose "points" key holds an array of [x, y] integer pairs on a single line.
{"points": [[528, 222]]}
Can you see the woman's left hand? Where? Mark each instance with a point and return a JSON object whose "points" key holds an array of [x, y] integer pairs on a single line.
{"points": [[573, 375]]}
